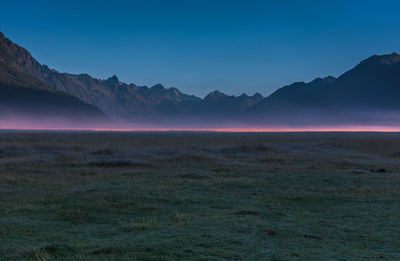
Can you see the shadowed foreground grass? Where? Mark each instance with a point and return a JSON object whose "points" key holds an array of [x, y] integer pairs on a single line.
{"points": [[199, 196]]}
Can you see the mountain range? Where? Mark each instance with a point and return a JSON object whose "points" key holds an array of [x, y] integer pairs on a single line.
{"points": [[368, 94], [127, 102], [24, 97]]}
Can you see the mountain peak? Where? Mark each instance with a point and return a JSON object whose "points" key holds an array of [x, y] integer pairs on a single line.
{"points": [[157, 87], [215, 96], [112, 80], [329, 78], [216, 93], [383, 59], [319, 81], [390, 58], [257, 95]]}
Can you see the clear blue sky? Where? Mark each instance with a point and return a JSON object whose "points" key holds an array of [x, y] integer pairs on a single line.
{"points": [[199, 46]]}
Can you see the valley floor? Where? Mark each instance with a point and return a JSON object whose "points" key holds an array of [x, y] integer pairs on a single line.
{"points": [[199, 196]]}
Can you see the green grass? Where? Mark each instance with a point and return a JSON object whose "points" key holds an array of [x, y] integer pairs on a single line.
{"points": [[199, 196]]}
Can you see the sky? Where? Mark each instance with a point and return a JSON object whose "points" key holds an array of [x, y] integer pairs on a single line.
{"points": [[200, 46]]}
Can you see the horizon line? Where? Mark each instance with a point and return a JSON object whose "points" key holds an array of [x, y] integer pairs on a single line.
{"points": [[354, 129]]}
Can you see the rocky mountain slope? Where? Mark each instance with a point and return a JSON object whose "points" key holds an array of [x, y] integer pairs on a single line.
{"points": [[25, 97], [119, 100]]}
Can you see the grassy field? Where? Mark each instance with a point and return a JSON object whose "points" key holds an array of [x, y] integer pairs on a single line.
{"points": [[199, 196]]}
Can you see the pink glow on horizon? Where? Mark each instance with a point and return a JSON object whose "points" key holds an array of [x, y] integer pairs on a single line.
{"points": [[51, 124], [287, 129]]}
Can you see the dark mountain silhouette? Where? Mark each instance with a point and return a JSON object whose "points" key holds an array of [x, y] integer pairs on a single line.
{"points": [[372, 84], [226, 105], [23, 96], [372, 88], [120, 100]]}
